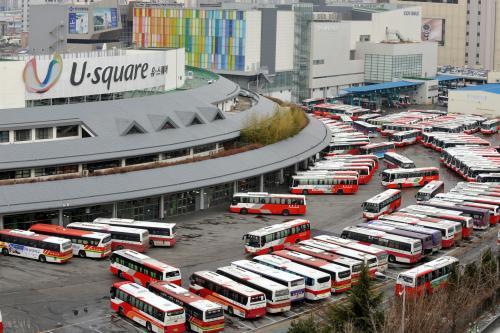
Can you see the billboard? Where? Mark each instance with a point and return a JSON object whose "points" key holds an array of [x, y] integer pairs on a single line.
{"points": [[105, 18], [58, 77], [433, 30], [78, 20]]}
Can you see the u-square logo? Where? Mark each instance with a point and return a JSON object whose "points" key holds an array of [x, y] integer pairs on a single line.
{"points": [[32, 81]]}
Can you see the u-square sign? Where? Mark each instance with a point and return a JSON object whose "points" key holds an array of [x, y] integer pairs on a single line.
{"points": [[59, 76]]}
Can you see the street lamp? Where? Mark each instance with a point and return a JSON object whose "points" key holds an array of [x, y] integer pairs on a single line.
{"points": [[403, 293]]}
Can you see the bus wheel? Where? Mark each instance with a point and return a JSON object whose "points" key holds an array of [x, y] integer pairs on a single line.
{"points": [[305, 192], [392, 259], [270, 250], [82, 254], [148, 327], [120, 311], [5, 252], [400, 186], [120, 247], [340, 192], [230, 310], [285, 212], [243, 211], [42, 258], [151, 243], [120, 275]]}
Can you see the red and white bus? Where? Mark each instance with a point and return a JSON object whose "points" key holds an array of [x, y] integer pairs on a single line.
{"points": [[294, 283], [364, 171], [405, 138], [324, 184], [340, 159], [202, 316], [27, 244], [309, 103], [318, 284], [160, 233], [265, 203], [354, 158], [354, 265], [427, 278], [430, 190], [365, 128], [490, 203], [121, 237], [277, 295], [139, 268], [394, 160], [340, 275], [400, 178], [369, 260], [379, 254], [400, 249], [446, 229], [383, 203], [345, 147], [490, 126], [480, 216], [1, 323], [151, 311], [85, 244], [377, 149], [236, 298], [277, 236]]}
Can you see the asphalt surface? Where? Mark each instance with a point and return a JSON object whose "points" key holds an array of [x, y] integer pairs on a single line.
{"points": [[37, 297]]}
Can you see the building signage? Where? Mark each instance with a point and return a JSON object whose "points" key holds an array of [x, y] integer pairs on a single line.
{"points": [[94, 75], [411, 13], [78, 20], [433, 30]]}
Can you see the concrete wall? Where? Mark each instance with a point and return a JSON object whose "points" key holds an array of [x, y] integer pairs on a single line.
{"points": [[253, 39], [473, 102], [11, 85], [284, 41], [407, 21]]}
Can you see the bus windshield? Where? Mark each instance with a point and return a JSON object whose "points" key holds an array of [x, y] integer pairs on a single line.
{"points": [[370, 207], [253, 241], [210, 314]]}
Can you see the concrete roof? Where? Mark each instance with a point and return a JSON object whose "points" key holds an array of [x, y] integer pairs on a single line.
{"points": [[101, 189], [110, 120], [493, 88]]}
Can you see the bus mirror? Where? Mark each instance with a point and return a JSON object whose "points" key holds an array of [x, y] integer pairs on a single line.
{"points": [[112, 291]]}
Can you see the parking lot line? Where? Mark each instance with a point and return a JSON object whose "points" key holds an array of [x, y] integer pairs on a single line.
{"points": [[75, 324]]}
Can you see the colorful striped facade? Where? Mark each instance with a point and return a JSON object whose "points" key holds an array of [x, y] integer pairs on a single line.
{"points": [[213, 39]]}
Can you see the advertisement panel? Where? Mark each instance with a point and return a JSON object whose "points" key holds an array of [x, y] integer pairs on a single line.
{"points": [[69, 77], [78, 20], [105, 18], [433, 30]]}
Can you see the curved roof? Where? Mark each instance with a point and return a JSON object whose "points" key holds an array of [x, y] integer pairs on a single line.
{"points": [[110, 120], [101, 189]]}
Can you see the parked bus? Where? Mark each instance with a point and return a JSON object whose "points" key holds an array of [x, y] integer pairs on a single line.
{"points": [[345, 147], [430, 190], [151, 311], [400, 178], [340, 275], [490, 126], [405, 138], [367, 259], [490, 203], [354, 265], [373, 164], [380, 254], [139, 268], [364, 171], [345, 119], [425, 239], [202, 316], [121, 237], [383, 203], [160, 233], [435, 235], [377, 149], [324, 184], [277, 236], [277, 296], [394, 160], [318, 284], [309, 103], [27, 244], [399, 249], [493, 177], [348, 157], [365, 128], [426, 278], [480, 216], [85, 244], [265, 203], [355, 113], [293, 282], [235, 298]]}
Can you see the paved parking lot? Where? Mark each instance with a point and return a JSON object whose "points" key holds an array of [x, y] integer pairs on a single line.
{"points": [[72, 298]]}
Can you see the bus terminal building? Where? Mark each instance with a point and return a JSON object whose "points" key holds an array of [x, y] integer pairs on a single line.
{"points": [[160, 144]]}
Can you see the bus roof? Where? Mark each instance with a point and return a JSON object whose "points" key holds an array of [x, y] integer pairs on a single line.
{"points": [[124, 222], [265, 194], [185, 296], [383, 196], [402, 170], [228, 283], [379, 234], [277, 227], [342, 250], [429, 266], [59, 230], [431, 186], [147, 296], [34, 236], [145, 260], [349, 244], [290, 266], [303, 258], [106, 228], [398, 157], [252, 278], [266, 270]]}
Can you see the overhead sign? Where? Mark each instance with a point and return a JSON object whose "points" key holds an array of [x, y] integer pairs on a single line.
{"points": [[99, 74]]}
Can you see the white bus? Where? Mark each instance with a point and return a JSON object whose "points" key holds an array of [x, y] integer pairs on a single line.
{"points": [[236, 298], [277, 295], [293, 282], [383, 203], [430, 190], [394, 160], [27, 244], [160, 233], [318, 284]]}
